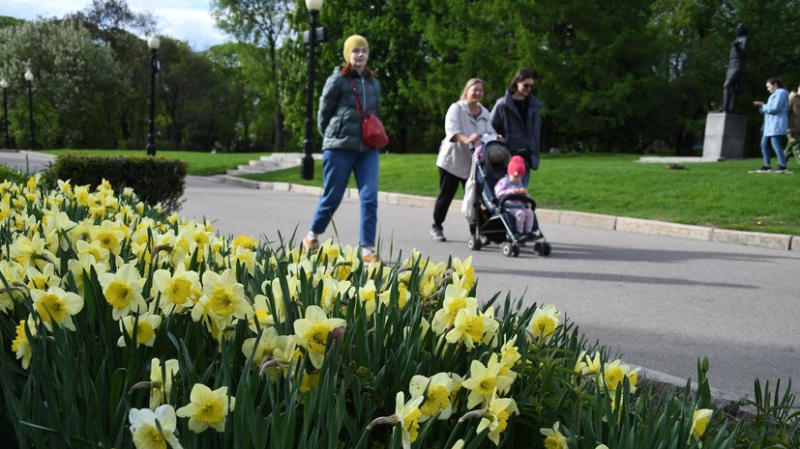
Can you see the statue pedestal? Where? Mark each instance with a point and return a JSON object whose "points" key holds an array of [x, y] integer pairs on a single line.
{"points": [[724, 138]]}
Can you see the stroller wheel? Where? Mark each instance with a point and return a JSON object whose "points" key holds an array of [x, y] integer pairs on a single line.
{"points": [[474, 244], [508, 249], [542, 248], [515, 250]]}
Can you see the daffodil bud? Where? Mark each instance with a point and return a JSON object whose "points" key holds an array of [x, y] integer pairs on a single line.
{"points": [[391, 420]]}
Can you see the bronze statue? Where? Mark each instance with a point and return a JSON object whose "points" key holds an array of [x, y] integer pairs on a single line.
{"points": [[734, 80]]}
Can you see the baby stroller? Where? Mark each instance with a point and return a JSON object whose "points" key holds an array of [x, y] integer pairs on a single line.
{"points": [[493, 223]]}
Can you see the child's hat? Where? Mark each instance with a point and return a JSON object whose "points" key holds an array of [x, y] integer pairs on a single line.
{"points": [[352, 42], [516, 167]]}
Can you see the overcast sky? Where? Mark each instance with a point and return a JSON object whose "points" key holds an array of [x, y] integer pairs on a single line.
{"points": [[187, 20]]}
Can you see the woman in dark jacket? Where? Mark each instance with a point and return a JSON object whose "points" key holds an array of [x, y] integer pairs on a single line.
{"points": [[343, 150], [517, 120]]}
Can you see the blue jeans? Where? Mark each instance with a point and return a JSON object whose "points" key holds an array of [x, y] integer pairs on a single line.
{"points": [[336, 168], [777, 145]]}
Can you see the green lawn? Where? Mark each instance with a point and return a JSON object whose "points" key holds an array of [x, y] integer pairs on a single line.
{"points": [[720, 194], [200, 164]]}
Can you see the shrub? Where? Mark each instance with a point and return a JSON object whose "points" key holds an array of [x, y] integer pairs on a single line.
{"points": [[154, 179], [9, 173]]}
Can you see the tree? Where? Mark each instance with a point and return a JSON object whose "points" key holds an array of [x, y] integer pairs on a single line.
{"points": [[111, 22], [259, 22], [75, 84]]}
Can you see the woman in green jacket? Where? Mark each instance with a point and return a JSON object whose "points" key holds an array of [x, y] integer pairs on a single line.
{"points": [[344, 152]]}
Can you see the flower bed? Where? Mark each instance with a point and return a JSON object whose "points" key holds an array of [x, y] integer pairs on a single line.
{"points": [[122, 327]]}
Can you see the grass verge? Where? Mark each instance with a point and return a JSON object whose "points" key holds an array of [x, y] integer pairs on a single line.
{"points": [[722, 195]]}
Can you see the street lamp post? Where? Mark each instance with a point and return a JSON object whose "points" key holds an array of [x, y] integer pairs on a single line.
{"points": [[29, 79], [153, 43], [6, 141], [311, 39]]}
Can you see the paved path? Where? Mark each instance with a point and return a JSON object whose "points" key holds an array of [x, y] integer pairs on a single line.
{"points": [[662, 302]]}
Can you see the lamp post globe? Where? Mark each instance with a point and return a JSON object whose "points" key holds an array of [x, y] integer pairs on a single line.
{"points": [[6, 141], [307, 167], [153, 43], [31, 138]]}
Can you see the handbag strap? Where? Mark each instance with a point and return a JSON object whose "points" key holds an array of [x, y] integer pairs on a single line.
{"points": [[355, 92]]}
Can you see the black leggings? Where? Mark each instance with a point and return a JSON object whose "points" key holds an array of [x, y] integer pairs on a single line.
{"points": [[448, 186]]}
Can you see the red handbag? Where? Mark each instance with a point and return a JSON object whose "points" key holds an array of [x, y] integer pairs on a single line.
{"points": [[373, 134]]}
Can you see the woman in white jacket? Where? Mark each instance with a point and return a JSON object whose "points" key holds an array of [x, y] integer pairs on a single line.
{"points": [[466, 124]]}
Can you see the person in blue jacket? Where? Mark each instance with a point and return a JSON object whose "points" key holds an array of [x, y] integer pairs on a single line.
{"points": [[344, 152], [517, 120], [776, 122]]}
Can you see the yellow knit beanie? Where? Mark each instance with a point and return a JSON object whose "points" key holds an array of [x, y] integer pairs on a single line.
{"points": [[352, 42]]}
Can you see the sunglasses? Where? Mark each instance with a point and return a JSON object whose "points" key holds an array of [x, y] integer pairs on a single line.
{"points": [[527, 85]]}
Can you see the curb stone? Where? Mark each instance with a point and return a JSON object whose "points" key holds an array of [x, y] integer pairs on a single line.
{"points": [[720, 400], [570, 218]]}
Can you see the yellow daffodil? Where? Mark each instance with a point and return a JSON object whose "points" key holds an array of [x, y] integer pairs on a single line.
{"points": [[94, 248], [458, 444], [262, 316], [465, 272], [123, 290], [263, 345], [44, 278], [347, 262], [455, 299], [553, 438], [544, 323], [312, 332], [495, 419], [110, 236], [207, 408], [403, 295], [84, 265], [329, 251], [588, 365], [21, 346], [225, 295], [332, 289], [178, 291], [471, 328], [407, 415], [367, 294], [145, 326], [436, 391], [154, 429], [244, 257], [161, 380], [700, 421], [12, 272], [509, 355], [615, 372], [245, 241], [483, 380], [56, 305]]}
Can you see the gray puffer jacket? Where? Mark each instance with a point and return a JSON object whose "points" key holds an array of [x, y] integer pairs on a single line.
{"points": [[337, 119]]}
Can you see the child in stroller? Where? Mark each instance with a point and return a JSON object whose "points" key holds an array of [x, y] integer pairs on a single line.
{"points": [[493, 219], [511, 184]]}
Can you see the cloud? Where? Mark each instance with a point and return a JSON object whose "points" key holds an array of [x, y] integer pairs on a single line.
{"points": [[187, 20]]}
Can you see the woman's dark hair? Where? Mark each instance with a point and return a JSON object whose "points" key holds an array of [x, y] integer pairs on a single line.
{"points": [[348, 67], [777, 82], [522, 74]]}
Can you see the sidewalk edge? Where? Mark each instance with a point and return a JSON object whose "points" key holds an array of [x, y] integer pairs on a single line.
{"points": [[785, 242]]}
